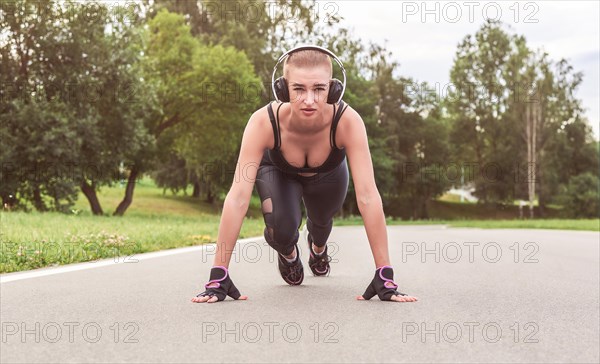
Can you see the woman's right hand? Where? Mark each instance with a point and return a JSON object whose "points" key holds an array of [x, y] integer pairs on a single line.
{"points": [[219, 287]]}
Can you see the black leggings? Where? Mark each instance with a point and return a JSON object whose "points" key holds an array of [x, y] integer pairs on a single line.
{"points": [[280, 194]]}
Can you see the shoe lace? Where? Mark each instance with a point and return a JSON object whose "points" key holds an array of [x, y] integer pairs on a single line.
{"points": [[321, 262], [294, 272]]}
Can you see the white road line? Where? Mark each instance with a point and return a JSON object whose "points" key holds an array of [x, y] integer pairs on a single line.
{"points": [[17, 276]]}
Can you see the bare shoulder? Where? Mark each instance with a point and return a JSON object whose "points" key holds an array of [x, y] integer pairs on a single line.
{"points": [[259, 128], [349, 125]]}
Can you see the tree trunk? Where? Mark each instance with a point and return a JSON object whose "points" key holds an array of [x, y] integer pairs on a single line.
{"points": [[37, 199], [128, 192], [90, 193], [477, 176], [210, 197], [531, 125], [424, 213], [541, 195], [416, 208], [196, 191]]}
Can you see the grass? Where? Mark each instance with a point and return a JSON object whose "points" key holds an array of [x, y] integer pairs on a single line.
{"points": [[157, 221], [557, 224], [154, 221], [552, 224], [33, 240]]}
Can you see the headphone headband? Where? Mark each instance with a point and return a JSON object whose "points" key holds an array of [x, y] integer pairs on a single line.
{"points": [[308, 47]]}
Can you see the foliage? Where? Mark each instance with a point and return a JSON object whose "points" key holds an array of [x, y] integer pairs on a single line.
{"points": [[580, 196], [206, 93], [76, 111], [88, 100], [497, 77]]}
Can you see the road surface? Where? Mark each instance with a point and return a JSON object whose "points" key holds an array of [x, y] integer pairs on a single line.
{"points": [[484, 296]]}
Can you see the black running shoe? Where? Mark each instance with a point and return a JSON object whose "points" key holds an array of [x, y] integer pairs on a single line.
{"points": [[318, 263], [292, 273]]}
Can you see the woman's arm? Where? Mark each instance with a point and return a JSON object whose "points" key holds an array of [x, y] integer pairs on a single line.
{"points": [[354, 139], [254, 141]]}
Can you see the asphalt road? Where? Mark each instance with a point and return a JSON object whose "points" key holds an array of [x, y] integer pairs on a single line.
{"points": [[484, 296]]}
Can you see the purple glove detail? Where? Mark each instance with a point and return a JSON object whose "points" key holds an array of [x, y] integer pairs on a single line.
{"points": [[383, 285], [224, 285]]}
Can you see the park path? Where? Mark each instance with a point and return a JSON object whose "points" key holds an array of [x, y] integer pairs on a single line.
{"points": [[485, 296]]}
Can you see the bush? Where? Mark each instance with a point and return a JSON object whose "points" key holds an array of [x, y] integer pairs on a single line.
{"points": [[580, 196]]}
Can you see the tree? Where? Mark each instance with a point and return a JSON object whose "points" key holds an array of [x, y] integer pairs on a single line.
{"points": [[580, 196], [205, 94], [570, 151], [507, 110], [260, 29], [477, 104], [230, 93], [37, 160], [408, 138], [70, 117], [25, 163]]}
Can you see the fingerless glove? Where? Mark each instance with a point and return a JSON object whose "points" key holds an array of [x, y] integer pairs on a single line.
{"points": [[224, 285], [383, 285]]}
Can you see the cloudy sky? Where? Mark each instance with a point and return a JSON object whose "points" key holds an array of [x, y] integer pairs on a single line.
{"points": [[425, 46]]}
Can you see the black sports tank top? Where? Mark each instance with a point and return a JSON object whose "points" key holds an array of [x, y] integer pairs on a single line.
{"points": [[275, 157]]}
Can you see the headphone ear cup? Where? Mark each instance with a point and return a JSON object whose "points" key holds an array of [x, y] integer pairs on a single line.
{"points": [[281, 90], [335, 91]]}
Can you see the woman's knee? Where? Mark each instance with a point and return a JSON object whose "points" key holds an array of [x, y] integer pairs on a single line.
{"points": [[279, 229], [281, 239], [284, 233]]}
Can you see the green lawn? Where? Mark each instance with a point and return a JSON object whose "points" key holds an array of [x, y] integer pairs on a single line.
{"points": [[54, 238], [155, 222], [560, 224], [571, 224]]}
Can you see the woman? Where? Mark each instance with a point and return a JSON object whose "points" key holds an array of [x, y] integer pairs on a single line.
{"points": [[300, 146]]}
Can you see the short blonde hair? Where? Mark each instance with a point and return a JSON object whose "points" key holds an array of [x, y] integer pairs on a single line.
{"points": [[307, 58]]}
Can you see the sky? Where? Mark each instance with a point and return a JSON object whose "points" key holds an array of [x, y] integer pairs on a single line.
{"points": [[423, 36]]}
